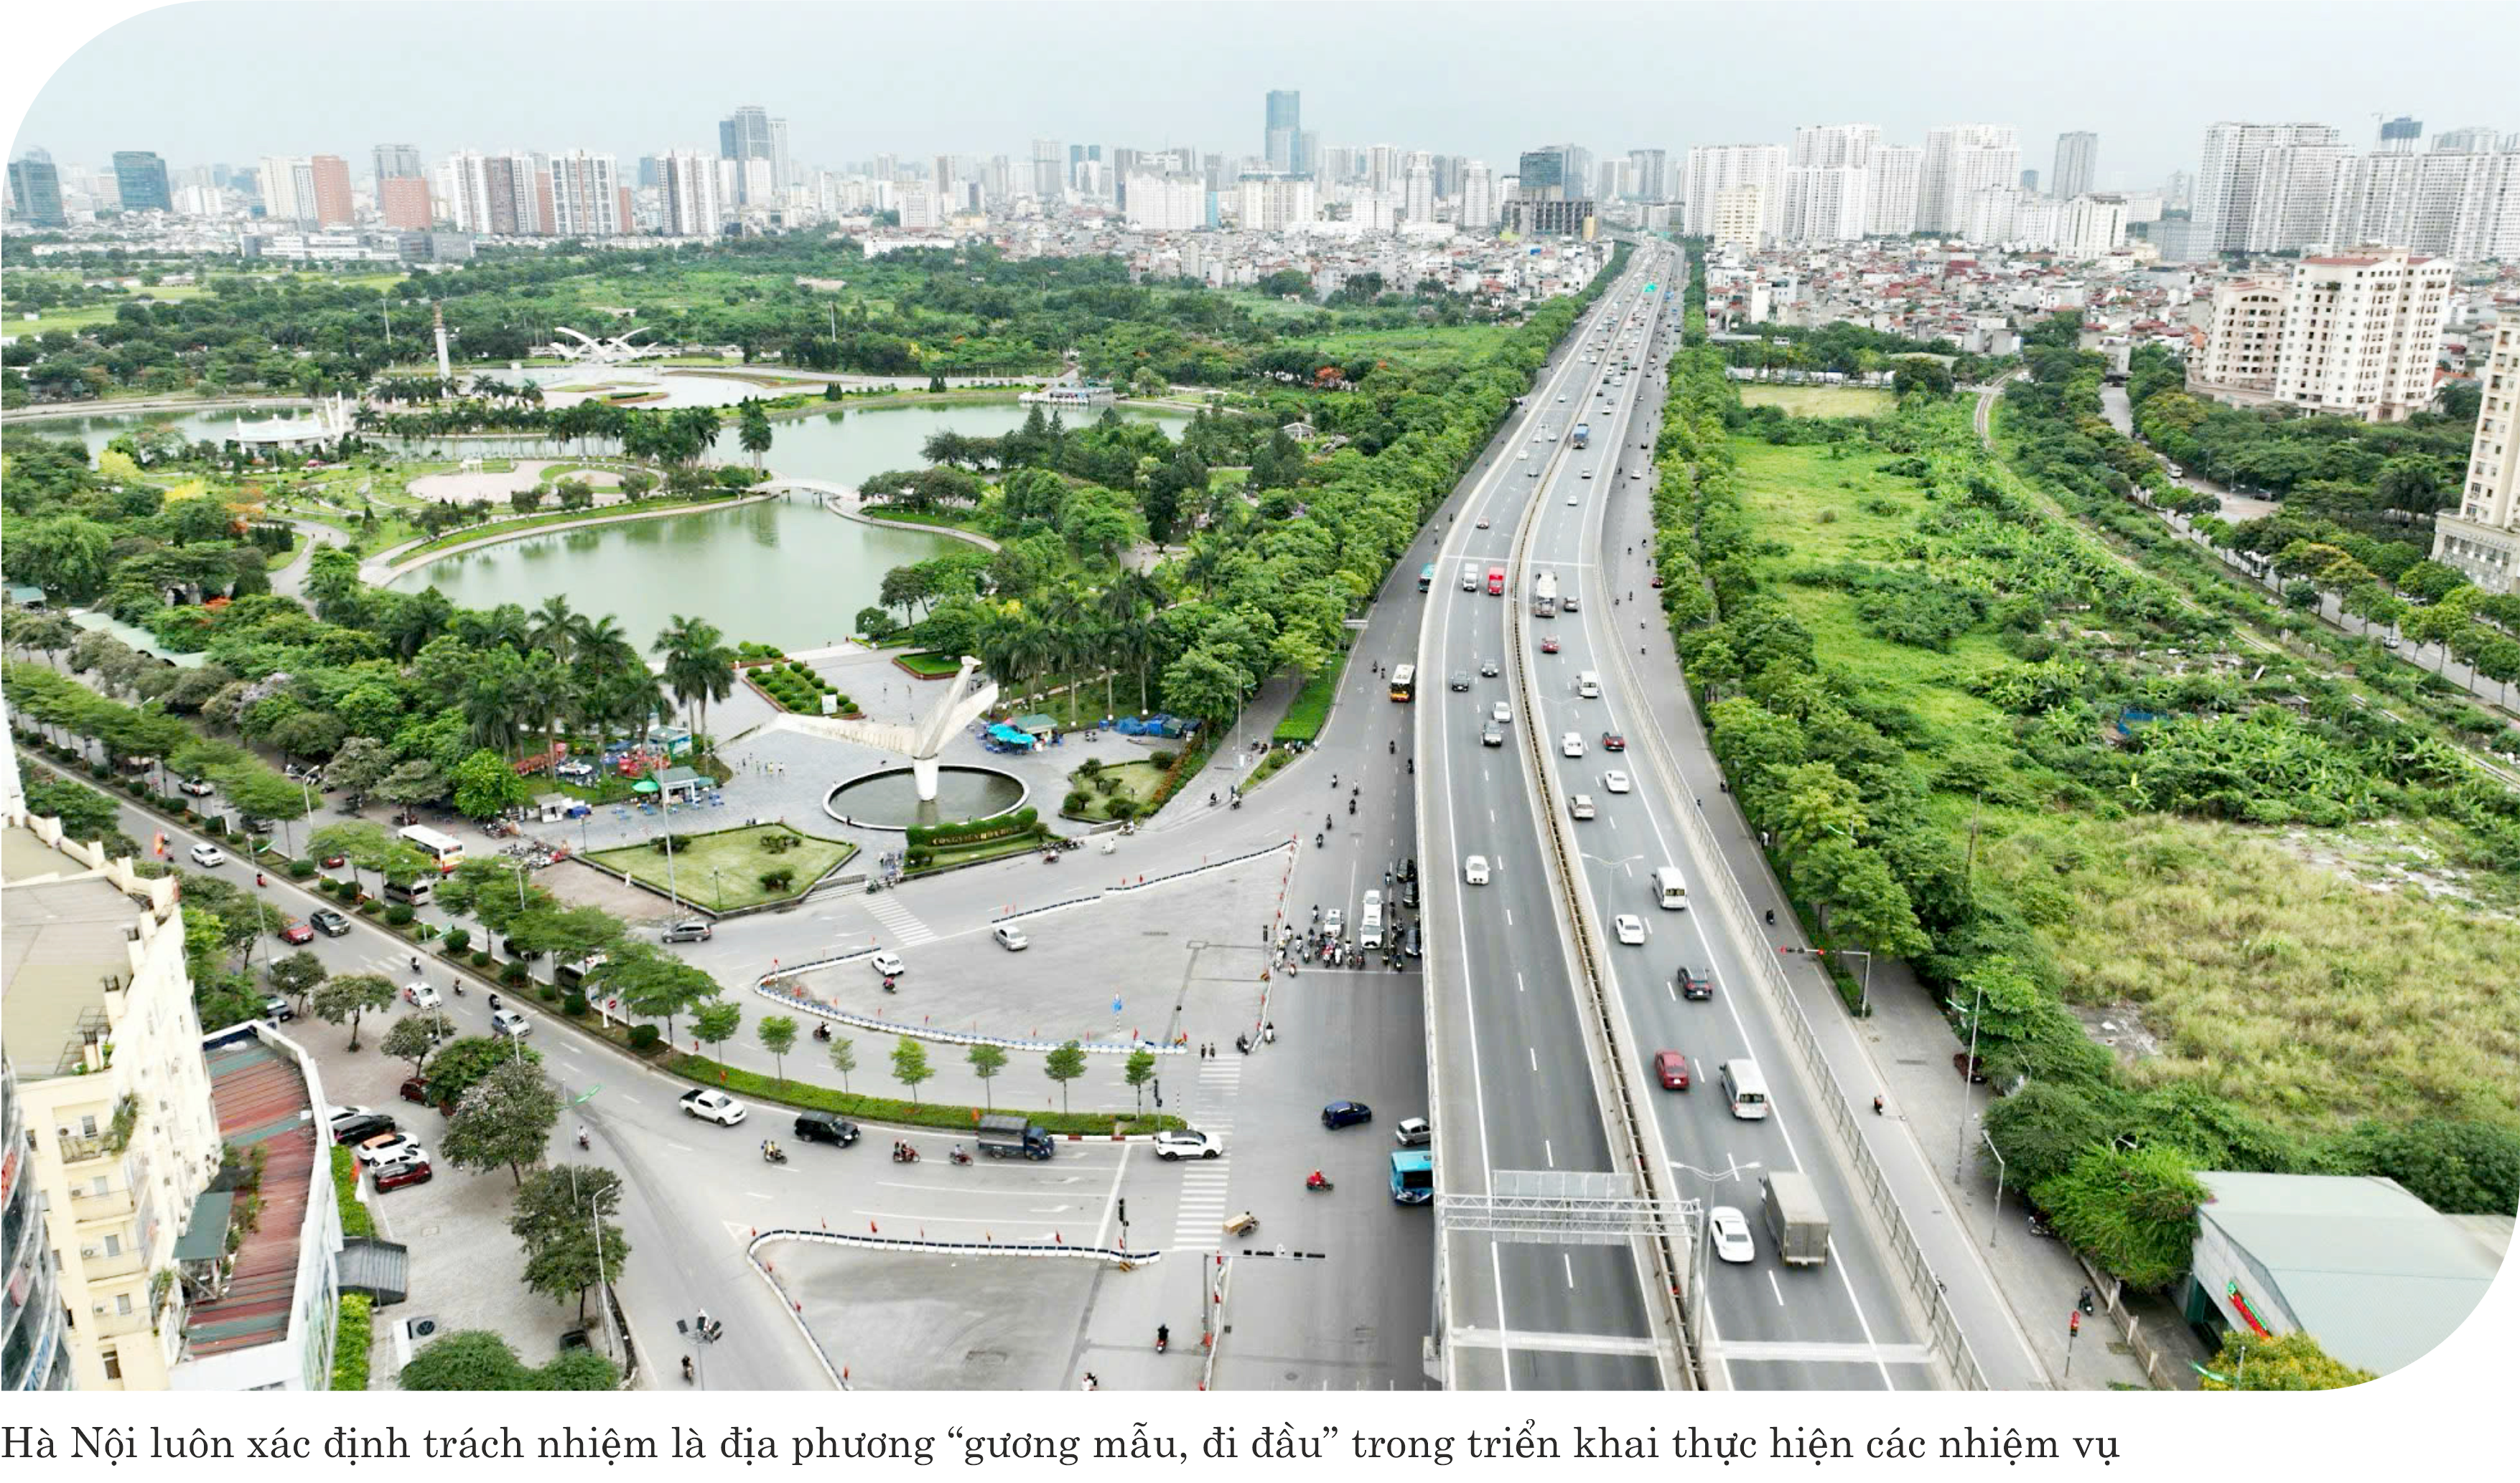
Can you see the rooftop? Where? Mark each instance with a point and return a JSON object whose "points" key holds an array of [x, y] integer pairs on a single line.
{"points": [[2376, 1274], [61, 947], [261, 1098]]}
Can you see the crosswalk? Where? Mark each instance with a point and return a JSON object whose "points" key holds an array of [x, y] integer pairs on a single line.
{"points": [[1198, 1222], [898, 920]]}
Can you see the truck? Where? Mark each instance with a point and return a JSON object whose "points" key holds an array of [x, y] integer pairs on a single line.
{"points": [[1796, 1223], [1003, 1135], [1583, 433], [1544, 595]]}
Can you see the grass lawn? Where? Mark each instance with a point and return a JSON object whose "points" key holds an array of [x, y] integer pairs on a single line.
{"points": [[1311, 709], [992, 849], [1817, 401], [1129, 780], [933, 665], [1433, 345], [723, 870]]}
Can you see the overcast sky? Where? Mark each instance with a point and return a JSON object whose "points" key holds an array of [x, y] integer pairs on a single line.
{"points": [[227, 82]]}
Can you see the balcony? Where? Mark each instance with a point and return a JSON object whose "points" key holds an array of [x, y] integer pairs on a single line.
{"points": [[105, 1322], [113, 1205], [102, 1268]]}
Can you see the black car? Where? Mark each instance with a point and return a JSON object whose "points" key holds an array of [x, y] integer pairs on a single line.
{"points": [[1460, 679], [826, 1128], [330, 922], [1488, 667], [1412, 944], [353, 1131], [1409, 893], [1691, 986], [1346, 1114]]}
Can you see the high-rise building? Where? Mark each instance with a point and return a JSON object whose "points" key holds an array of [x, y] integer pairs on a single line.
{"points": [[1478, 198], [1275, 202], [2481, 539], [1653, 173], [36, 191], [1827, 203], [2359, 336], [687, 182], [1382, 167], [398, 162], [1165, 202], [1738, 217], [1544, 177], [140, 179], [1048, 171], [1825, 145], [2243, 331], [2295, 197], [287, 188], [491, 194], [1550, 219], [1890, 190], [1417, 200], [2030, 181], [1708, 169], [2224, 212], [402, 201], [1283, 135], [1308, 152], [2089, 226], [2472, 140], [1960, 161], [2457, 203], [2078, 164], [2398, 135], [34, 1332], [748, 134], [781, 166], [330, 176]]}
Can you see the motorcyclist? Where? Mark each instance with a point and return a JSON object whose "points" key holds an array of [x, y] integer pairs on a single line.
{"points": [[1391, 748], [1163, 1338], [581, 1134], [1313, 1181]]}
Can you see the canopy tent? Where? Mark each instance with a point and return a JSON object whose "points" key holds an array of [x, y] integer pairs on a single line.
{"points": [[1010, 736], [1037, 723]]}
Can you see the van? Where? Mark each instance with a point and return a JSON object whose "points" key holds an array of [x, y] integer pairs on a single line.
{"points": [[1670, 890], [1588, 685], [1745, 1089], [1469, 576], [409, 892]]}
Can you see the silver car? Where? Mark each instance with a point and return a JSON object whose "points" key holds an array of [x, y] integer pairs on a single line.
{"points": [[693, 930]]}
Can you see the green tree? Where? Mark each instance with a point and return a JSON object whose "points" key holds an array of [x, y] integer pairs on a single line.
{"points": [[987, 1060], [564, 1218], [715, 1024], [487, 786], [699, 666], [1140, 1070], [910, 1065], [845, 1057], [1063, 1065], [2287, 1362], [505, 1118], [460, 1065], [295, 976], [345, 999], [2133, 1211], [778, 1034], [654, 984], [416, 1037]]}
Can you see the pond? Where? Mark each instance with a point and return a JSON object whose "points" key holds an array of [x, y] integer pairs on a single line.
{"points": [[95, 430], [785, 571]]}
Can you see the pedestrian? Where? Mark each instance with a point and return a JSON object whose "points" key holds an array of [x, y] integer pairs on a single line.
{"points": [[1876, 1105]]}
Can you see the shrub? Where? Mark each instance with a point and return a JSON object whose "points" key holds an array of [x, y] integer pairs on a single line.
{"points": [[371, 907], [573, 1005], [352, 1333], [398, 915], [1161, 757], [457, 940], [644, 1038], [1076, 802], [511, 974], [480, 958], [300, 867], [779, 879]]}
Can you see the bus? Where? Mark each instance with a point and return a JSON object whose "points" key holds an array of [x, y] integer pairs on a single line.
{"points": [[445, 851], [1413, 1177], [1426, 577], [1404, 683]]}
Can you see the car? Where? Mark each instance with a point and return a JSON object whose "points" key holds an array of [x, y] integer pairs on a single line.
{"points": [[1570, 499], [1690, 985], [1408, 873], [1549, 645], [1502, 714], [1488, 668], [1552, 436], [1334, 922], [195, 788], [344, 1111], [1183, 1143], [1489, 735], [297, 935], [826, 1128], [1460, 679], [390, 1149], [1561, 396], [1671, 1069], [1483, 519], [1630, 927], [1613, 741], [1474, 871], [1730, 1234], [1657, 579], [1409, 893], [710, 1104], [1635, 473], [358, 1130], [1412, 1133], [1572, 744], [409, 1172], [1587, 474], [1614, 782], [510, 1023], [1345, 1114], [695, 930], [208, 856], [1971, 1066], [414, 1089], [276, 1007], [1413, 943], [328, 922], [1011, 937], [1372, 902], [889, 964], [1570, 604]]}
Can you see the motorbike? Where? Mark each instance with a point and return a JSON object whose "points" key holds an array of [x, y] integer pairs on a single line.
{"points": [[1049, 857], [903, 1153], [2041, 1228], [874, 886], [1163, 1338], [890, 986], [823, 1031], [772, 1153], [1351, 806], [687, 1370], [2085, 1302], [1317, 841], [459, 988], [1238, 800], [959, 1157], [494, 1003], [582, 1139], [1318, 1186]]}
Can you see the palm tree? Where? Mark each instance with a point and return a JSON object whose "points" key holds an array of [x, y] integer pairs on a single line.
{"points": [[700, 667], [555, 628]]}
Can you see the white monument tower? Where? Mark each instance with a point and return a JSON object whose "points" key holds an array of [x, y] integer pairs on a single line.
{"points": [[437, 312]]}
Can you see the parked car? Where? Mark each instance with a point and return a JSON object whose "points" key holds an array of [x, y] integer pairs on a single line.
{"points": [[826, 1128], [390, 1149], [1184, 1142], [1971, 1066], [195, 788], [415, 1089], [710, 1105], [1413, 943], [208, 856], [1412, 1133], [693, 930], [330, 922], [396, 1175], [358, 1130], [1346, 1114], [344, 1111], [276, 1007], [297, 935]]}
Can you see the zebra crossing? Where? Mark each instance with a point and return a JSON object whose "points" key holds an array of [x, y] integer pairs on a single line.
{"points": [[899, 921], [1199, 1221]]}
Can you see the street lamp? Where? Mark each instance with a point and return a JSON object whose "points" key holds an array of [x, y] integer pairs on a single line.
{"points": [[1968, 1078], [1705, 1238], [1863, 1011]]}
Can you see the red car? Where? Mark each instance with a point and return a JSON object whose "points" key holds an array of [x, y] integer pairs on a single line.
{"points": [[1657, 581], [1613, 741], [1671, 1069], [297, 935], [1549, 646], [395, 1176]]}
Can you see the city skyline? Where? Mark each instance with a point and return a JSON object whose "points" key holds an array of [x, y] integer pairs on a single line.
{"points": [[1019, 88]]}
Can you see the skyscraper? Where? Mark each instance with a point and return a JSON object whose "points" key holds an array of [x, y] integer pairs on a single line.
{"points": [[287, 188], [1046, 171], [330, 176], [1653, 173], [1418, 201], [1478, 198], [2078, 165], [395, 162], [1283, 136], [35, 191], [687, 181], [1960, 161], [586, 195], [1890, 191], [140, 178], [748, 133], [1543, 175], [1709, 169], [2228, 179]]}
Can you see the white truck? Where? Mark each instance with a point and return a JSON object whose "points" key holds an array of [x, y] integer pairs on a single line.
{"points": [[1544, 595]]}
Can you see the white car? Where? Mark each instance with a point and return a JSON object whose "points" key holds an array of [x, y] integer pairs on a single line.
{"points": [[1730, 1234], [1502, 714], [1186, 1144], [208, 855], [1474, 870], [1570, 499], [1373, 900], [510, 1023], [1333, 921], [889, 964], [1614, 782], [420, 996], [390, 1149], [1630, 927], [1010, 936], [1572, 744], [714, 1105]]}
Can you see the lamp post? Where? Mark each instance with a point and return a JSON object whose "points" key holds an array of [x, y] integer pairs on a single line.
{"points": [[1863, 1011], [1705, 1237], [1968, 1078]]}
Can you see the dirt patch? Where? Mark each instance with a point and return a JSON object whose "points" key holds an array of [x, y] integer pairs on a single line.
{"points": [[2387, 856], [2120, 1027], [572, 883]]}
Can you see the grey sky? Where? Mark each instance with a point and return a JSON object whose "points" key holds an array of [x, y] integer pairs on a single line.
{"points": [[227, 82]]}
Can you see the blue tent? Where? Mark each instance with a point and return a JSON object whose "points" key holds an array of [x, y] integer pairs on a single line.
{"points": [[1010, 736]]}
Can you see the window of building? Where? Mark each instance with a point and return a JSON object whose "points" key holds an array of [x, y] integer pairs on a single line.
{"points": [[114, 1365]]}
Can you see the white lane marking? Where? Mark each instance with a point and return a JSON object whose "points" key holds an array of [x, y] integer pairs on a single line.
{"points": [[1568, 1257], [1534, 1052], [1780, 1293], [1549, 1152], [1518, 982]]}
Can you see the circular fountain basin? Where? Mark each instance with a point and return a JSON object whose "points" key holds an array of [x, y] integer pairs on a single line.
{"points": [[889, 799]]}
